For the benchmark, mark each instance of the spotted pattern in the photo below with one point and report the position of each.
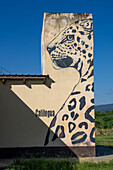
(74, 122)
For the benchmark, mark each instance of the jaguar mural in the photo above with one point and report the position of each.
(73, 48)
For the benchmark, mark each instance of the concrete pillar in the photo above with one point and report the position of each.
(67, 56)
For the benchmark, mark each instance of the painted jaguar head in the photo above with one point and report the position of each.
(72, 46)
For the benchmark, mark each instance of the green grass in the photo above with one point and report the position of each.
(95, 166)
(44, 164)
(105, 139)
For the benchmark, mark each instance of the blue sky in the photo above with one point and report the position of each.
(20, 38)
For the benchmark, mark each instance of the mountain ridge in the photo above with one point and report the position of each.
(103, 107)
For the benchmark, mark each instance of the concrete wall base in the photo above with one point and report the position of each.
(58, 152)
(85, 151)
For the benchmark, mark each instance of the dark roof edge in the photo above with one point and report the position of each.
(23, 77)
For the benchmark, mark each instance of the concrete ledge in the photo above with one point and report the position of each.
(97, 159)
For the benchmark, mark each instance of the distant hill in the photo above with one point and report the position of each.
(104, 108)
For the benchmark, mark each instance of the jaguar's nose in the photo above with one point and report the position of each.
(50, 49)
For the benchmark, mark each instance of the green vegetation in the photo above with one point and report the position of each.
(104, 120)
(44, 164)
(105, 139)
(94, 166)
(104, 128)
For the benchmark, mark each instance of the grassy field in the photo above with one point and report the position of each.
(44, 164)
(105, 139)
(104, 128)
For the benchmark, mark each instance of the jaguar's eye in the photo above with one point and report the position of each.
(70, 37)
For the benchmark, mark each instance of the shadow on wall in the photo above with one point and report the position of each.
(48, 82)
(21, 133)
